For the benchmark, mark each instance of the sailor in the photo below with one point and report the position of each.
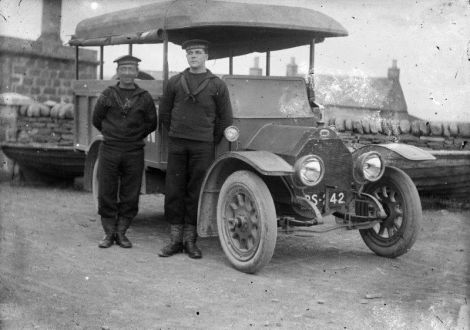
(124, 114)
(195, 109)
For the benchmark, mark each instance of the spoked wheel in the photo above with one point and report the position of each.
(396, 234)
(246, 221)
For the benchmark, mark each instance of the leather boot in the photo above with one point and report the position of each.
(109, 226)
(121, 239)
(176, 242)
(190, 235)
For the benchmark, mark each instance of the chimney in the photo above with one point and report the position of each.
(51, 17)
(394, 71)
(291, 68)
(256, 70)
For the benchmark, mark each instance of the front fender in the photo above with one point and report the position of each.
(92, 144)
(262, 162)
(396, 152)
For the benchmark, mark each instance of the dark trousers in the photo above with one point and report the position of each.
(120, 179)
(188, 161)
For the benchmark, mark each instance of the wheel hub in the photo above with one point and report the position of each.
(242, 222)
(392, 207)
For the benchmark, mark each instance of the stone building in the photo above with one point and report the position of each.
(359, 96)
(363, 96)
(43, 69)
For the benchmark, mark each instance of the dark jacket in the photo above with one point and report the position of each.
(125, 126)
(201, 114)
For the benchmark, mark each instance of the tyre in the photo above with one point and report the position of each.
(246, 221)
(396, 234)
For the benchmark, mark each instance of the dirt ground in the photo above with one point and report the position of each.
(53, 275)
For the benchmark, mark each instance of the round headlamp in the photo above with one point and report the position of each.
(309, 170)
(232, 133)
(369, 167)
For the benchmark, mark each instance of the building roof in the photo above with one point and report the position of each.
(360, 92)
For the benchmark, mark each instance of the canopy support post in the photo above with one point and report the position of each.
(101, 61)
(165, 59)
(230, 63)
(268, 63)
(130, 49)
(312, 57)
(76, 62)
(311, 81)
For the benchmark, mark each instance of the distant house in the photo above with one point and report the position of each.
(362, 97)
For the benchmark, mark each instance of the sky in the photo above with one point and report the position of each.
(430, 39)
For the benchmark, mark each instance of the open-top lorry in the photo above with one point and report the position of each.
(279, 168)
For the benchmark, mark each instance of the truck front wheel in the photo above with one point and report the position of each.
(396, 234)
(246, 221)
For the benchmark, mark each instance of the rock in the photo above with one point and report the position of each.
(386, 127)
(424, 128)
(445, 130)
(454, 129)
(464, 129)
(365, 126)
(405, 126)
(45, 110)
(436, 128)
(395, 127)
(69, 111)
(373, 296)
(33, 110)
(415, 128)
(357, 127)
(339, 123)
(374, 126)
(23, 110)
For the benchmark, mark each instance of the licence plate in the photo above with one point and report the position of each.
(333, 198)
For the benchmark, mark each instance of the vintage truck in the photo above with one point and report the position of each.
(279, 168)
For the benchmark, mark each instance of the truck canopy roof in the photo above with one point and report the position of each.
(232, 28)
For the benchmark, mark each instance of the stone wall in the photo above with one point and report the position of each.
(423, 134)
(42, 69)
(50, 125)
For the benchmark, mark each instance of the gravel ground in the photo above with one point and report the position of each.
(53, 275)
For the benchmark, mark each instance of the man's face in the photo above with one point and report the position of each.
(196, 57)
(127, 73)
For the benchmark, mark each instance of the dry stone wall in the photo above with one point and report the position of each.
(420, 133)
(50, 124)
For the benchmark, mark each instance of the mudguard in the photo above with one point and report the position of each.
(98, 137)
(397, 151)
(262, 162)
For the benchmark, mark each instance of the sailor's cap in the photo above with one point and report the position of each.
(195, 43)
(127, 59)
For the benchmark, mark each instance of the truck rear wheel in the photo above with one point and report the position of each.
(95, 183)
(396, 234)
(246, 221)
